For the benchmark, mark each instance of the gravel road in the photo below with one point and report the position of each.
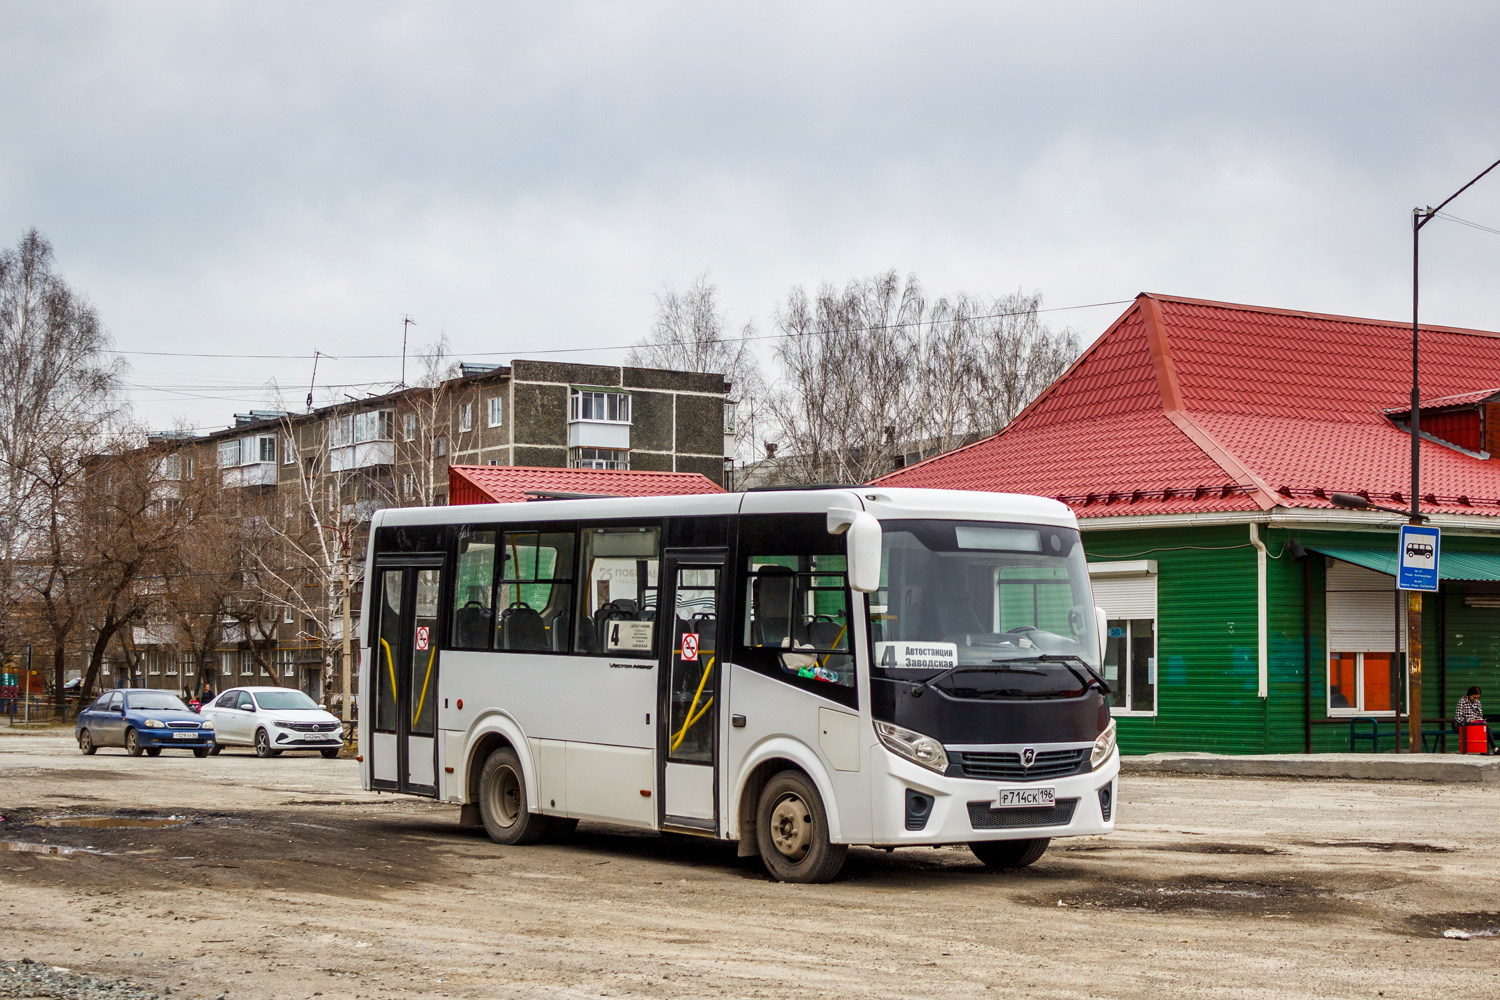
(239, 877)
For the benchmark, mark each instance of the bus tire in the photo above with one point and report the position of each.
(507, 816)
(791, 828)
(1009, 853)
(562, 828)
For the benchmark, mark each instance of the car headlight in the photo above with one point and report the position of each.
(155, 724)
(206, 724)
(914, 747)
(1103, 746)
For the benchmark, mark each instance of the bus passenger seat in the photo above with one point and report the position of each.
(523, 628)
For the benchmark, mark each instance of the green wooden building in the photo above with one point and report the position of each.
(1200, 443)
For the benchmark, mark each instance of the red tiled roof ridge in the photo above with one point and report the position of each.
(1305, 314)
(1224, 458)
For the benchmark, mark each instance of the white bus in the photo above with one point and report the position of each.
(794, 670)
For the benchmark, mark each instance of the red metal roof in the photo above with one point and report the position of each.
(469, 484)
(1188, 405)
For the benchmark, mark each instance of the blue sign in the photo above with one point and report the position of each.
(1417, 558)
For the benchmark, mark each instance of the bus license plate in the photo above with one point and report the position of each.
(1016, 798)
(184, 736)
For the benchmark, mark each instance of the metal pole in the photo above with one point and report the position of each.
(28, 683)
(347, 697)
(1414, 598)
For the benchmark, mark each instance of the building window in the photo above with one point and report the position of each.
(286, 616)
(1130, 665)
(598, 458)
(409, 427)
(609, 407)
(1362, 637)
(466, 417)
(729, 411)
(409, 485)
(229, 454)
(247, 663)
(495, 412)
(440, 445)
(288, 450)
(268, 449)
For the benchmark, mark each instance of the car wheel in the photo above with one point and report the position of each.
(86, 743)
(1009, 853)
(502, 801)
(216, 749)
(153, 751)
(329, 754)
(132, 742)
(263, 746)
(791, 829)
(200, 751)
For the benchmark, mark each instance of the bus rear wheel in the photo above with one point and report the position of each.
(1009, 853)
(791, 829)
(507, 816)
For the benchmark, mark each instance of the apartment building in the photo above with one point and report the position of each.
(320, 475)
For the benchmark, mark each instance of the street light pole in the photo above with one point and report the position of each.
(1419, 218)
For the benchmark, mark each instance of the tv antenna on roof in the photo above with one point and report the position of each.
(313, 384)
(406, 321)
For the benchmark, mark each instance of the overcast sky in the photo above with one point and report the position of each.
(282, 178)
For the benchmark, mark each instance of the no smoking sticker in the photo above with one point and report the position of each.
(421, 637)
(689, 647)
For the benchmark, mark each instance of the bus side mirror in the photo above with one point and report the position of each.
(1101, 621)
(863, 547)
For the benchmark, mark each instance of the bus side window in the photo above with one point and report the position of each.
(795, 604)
(473, 588)
(618, 583)
(535, 596)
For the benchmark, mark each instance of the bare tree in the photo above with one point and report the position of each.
(692, 334)
(876, 374)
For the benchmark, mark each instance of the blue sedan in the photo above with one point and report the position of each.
(142, 720)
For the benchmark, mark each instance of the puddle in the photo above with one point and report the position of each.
(112, 822)
(1455, 926)
(1212, 848)
(25, 848)
(1247, 896)
(1386, 847)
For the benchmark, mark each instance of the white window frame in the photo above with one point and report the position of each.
(440, 446)
(577, 461)
(287, 618)
(1129, 710)
(262, 449)
(1357, 712)
(288, 450)
(229, 454)
(408, 427)
(496, 411)
(465, 417)
(1361, 580)
(581, 401)
(1128, 571)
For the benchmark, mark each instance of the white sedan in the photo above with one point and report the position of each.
(273, 719)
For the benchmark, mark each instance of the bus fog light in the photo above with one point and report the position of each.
(914, 747)
(1103, 746)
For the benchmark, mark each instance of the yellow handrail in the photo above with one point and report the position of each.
(691, 718)
(824, 661)
(390, 662)
(425, 681)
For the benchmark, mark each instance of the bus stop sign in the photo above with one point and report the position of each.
(1417, 558)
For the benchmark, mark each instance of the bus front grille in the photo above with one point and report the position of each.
(983, 817)
(1008, 767)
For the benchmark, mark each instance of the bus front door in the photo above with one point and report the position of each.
(403, 747)
(689, 711)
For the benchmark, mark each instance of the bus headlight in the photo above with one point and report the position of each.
(1103, 746)
(155, 724)
(914, 747)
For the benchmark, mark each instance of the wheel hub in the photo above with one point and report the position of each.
(505, 797)
(791, 828)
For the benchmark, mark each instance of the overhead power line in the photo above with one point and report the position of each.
(583, 350)
(1466, 222)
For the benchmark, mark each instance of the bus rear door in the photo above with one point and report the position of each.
(688, 734)
(403, 748)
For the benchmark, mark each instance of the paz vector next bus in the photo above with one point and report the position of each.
(794, 670)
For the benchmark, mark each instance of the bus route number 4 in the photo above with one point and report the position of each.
(422, 637)
(690, 647)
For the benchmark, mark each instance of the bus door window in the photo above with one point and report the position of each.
(473, 584)
(535, 591)
(795, 611)
(424, 656)
(387, 643)
(694, 660)
(617, 590)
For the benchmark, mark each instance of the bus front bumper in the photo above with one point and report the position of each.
(914, 806)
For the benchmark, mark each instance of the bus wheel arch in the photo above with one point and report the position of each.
(496, 732)
(747, 804)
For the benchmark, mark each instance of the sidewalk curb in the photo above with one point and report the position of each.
(1439, 768)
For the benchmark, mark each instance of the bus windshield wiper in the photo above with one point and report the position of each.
(1094, 677)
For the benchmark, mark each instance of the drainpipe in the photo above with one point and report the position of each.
(1263, 662)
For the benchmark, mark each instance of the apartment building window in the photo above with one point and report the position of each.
(440, 445)
(598, 458)
(189, 466)
(286, 616)
(594, 405)
(409, 427)
(229, 454)
(466, 418)
(495, 411)
(288, 450)
(729, 412)
(268, 449)
(409, 485)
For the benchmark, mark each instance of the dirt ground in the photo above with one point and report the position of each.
(283, 879)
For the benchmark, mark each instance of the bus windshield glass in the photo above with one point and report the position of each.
(1009, 605)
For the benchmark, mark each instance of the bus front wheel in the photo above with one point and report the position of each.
(1009, 853)
(791, 829)
(507, 816)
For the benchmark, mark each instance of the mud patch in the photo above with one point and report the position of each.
(1276, 895)
(113, 822)
(23, 847)
(1385, 847)
(1212, 848)
(1479, 925)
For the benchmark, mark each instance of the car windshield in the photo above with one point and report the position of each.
(1007, 604)
(155, 701)
(284, 700)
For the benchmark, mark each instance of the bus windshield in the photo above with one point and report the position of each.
(1012, 600)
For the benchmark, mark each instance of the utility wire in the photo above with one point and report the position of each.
(1466, 222)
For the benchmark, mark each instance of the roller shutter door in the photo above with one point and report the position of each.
(1361, 610)
(1132, 596)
